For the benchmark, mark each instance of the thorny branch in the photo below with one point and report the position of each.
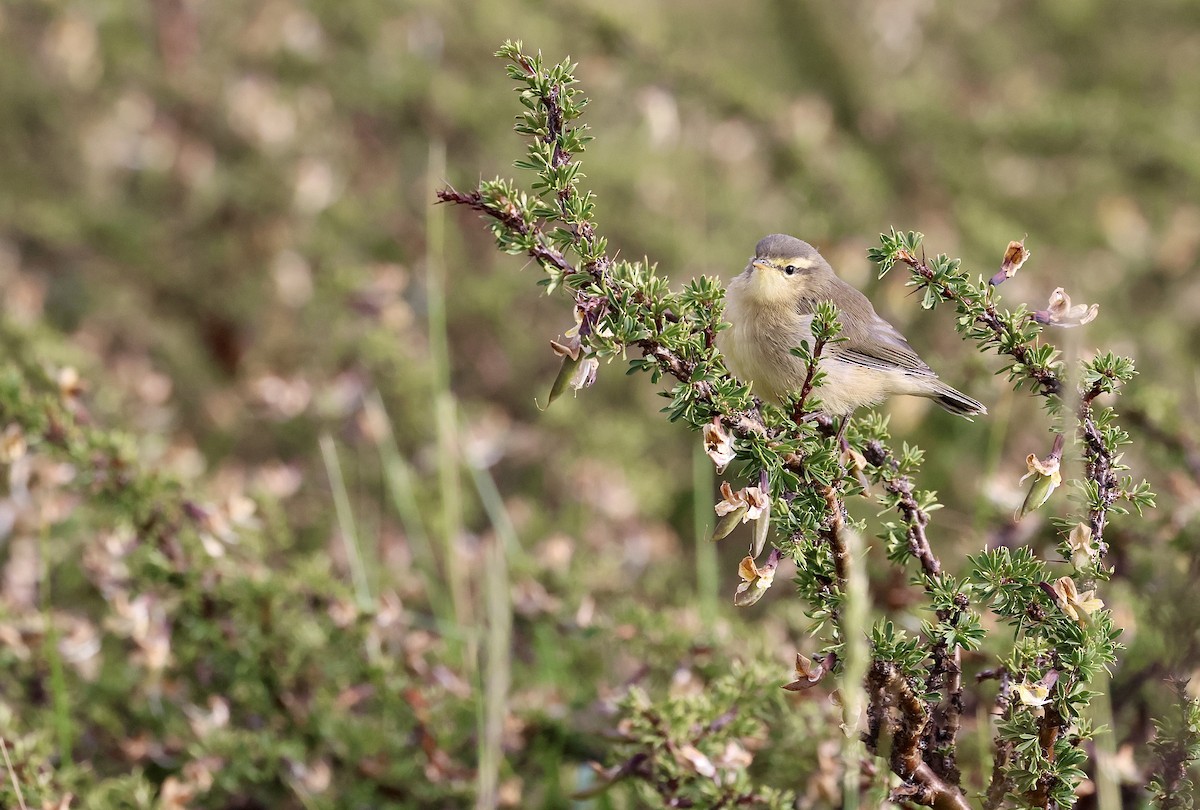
(1000, 785)
(1049, 383)
(930, 785)
(920, 738)
(945, 673)
(896, 722)
(1098, 461)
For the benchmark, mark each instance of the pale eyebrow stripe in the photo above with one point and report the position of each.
(804, 264)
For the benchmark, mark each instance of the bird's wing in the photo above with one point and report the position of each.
(867, 339)
(880, 346)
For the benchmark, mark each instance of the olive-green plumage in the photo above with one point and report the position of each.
(770, 308)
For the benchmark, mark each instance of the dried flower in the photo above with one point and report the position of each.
(718, 444)
(1032, 694)
(1076, 605)
(70, 385)
(742, 506)
(1046, 478)
(1080, 544)
(751, 497)
(1059, 311)
(1015, 255)
(807, 675)
(735, 757)
(693, 757)
(854, 461)
(577, 370)
(12, 444)
(569, 349)
(755, 580)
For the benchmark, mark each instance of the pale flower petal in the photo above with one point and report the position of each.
(585, 373)
(1032, 694)
(718, 444)
(1060, 312)
(755, 580)
(1080, 544)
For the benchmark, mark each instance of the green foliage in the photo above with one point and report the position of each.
(694, 750)
(1177, 746)
(191, 188)
(1064, 638)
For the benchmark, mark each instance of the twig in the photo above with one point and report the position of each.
(12, 774)
(1099, 463)
(880, 456)
(1048, 383)
(1000, 784)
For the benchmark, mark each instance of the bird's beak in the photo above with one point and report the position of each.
(759, 265)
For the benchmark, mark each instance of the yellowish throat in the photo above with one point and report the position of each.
(770, 308)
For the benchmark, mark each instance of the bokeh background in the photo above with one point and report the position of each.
(402, 582)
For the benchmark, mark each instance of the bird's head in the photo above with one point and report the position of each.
(784, 269)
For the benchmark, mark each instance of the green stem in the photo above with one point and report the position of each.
(707, 576)
(345, 518)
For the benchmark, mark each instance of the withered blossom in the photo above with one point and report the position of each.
(1046, 475)
(314, 778)
(569, 349)
(1060, 312)
(1032, 694)
(144, 620)
(751, 497)
(853, 460)
(718, 444)
(807, 675)
(1080, 544)
(735, 757)
(693, 757)
(70, 384)
(12, 444)
(1078, 606)
(205, 722)
(755, 580)
(1015, 255)
(742, 506)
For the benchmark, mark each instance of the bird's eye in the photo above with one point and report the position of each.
(790, 269)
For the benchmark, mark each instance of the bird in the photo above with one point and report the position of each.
(769, 308)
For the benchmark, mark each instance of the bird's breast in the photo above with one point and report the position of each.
(757, 346)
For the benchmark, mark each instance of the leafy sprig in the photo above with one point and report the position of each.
(1063, 636)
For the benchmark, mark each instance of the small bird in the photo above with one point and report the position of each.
(770, 309)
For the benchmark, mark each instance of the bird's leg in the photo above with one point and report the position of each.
(841, 433)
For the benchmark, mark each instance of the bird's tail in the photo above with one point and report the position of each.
(956, 401)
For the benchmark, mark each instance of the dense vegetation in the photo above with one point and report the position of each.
(285, 525)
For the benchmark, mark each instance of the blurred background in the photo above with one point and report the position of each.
(220, 215)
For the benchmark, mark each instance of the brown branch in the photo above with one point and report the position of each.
(945, 672)
(1050, 727)
(915, 518)
(896, 719)
(1098, 467)
(810, 376)
(833, 535)
(1000, 784)
(510, 218)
